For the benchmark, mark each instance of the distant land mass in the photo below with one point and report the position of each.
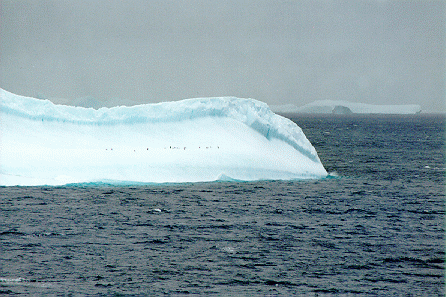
(346, 107)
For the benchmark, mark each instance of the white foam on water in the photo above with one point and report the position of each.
(23, 282)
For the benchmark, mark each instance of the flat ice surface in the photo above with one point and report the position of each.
(327, 106)
(194, 140)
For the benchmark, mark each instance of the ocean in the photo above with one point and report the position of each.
(375, 227)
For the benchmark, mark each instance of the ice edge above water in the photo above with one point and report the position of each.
(29, 123)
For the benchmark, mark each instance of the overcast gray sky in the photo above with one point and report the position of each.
(279, 52)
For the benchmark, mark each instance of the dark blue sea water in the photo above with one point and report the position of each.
(377, 229)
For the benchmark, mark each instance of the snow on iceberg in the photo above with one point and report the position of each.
(193, 140)
(346, 107)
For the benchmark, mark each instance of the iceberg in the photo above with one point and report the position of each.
(346, 107)
(193, 140)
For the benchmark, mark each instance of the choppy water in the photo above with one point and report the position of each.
(375, 230)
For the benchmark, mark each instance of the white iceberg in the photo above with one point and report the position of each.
(338, 106)
(194, 140)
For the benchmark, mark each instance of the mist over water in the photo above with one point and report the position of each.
(377, 229)
(109, 52)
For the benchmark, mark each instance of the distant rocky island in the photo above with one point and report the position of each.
(346, 107)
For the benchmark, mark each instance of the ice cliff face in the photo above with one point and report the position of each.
(231, 137)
